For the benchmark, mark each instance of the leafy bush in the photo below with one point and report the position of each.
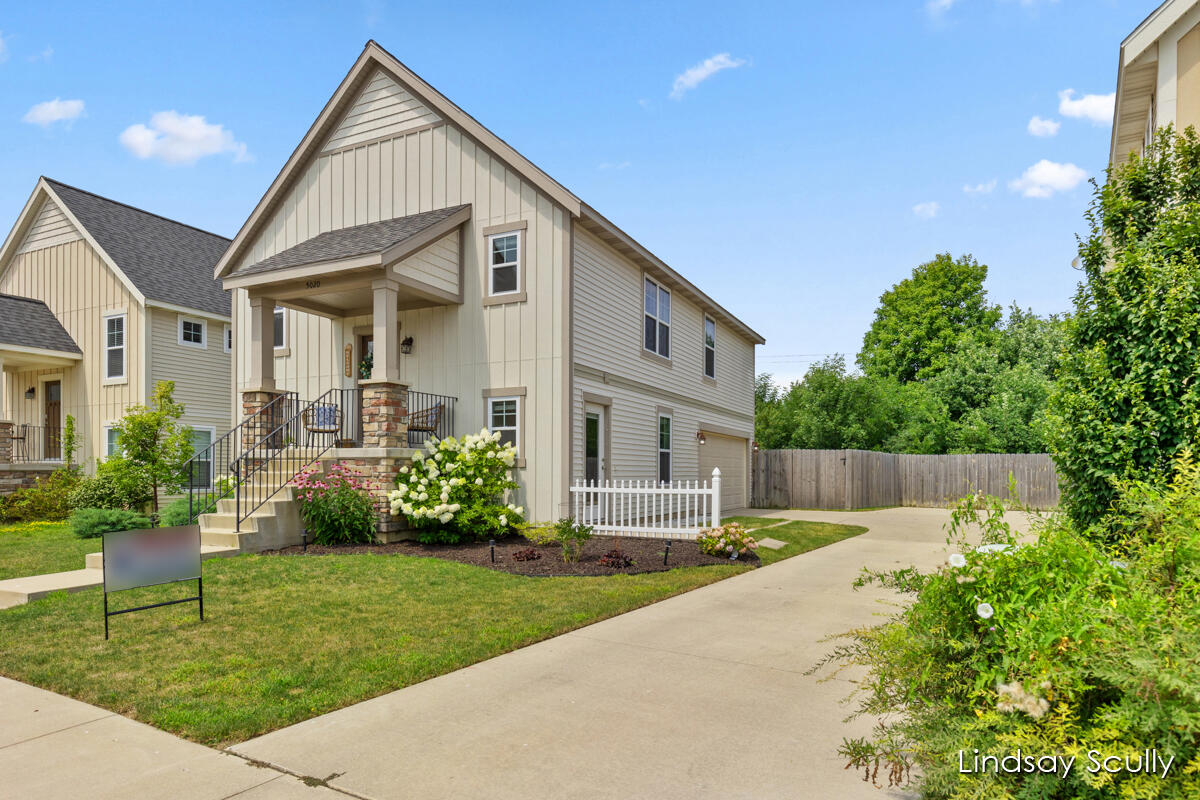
(337, 508)
(616, 559)
(88, 523)
(571, 535)
(1058, 646)
(542, 535)
(726, 540)
(526, 554)
(454, 490)
(47, 500)
(117, 484)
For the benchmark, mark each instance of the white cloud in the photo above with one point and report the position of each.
(927, 210)
(51, 111)
(980, 188)
(46, 54)
(1096, 107)
(1043, 127)
(181, 139)
(1045, 178)
(936, 8)
(3, 48)
(692, 77)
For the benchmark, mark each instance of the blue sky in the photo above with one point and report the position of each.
(792, 159)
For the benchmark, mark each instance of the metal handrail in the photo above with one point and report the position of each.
(205, 486)
(36, 443)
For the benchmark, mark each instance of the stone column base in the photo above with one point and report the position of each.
(379, 470)
(384, 414)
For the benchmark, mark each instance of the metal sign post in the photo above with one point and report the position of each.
(156, 557)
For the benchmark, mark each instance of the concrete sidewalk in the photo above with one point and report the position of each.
(54, 747)
(702, 695)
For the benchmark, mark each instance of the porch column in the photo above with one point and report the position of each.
(262, 343)
(386, 331)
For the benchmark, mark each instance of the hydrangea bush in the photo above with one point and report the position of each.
(336, 507)
(726, 540)
(455, 490)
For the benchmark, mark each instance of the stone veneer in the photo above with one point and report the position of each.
(379, 467)
(18, 476)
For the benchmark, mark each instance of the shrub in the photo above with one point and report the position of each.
(1050, 647)
(615, 559)
(116, 484)
(527, 554)
(541, 535)
(454, 490)
(88, 523)
(47, 500)
(176, 513)
(336, 507)
(571, 535)
(726, 540)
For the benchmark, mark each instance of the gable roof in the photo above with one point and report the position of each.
(167, 261)
(26, 322)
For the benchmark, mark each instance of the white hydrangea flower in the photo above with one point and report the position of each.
(479, 481)
(985, 610)
(504, 520)
(957, 560)
(444, 518)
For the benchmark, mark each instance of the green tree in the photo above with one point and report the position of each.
(70, 442)
(920, 320)
(153, 445)
(1127, 399)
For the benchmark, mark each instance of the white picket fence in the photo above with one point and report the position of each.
(676, 510)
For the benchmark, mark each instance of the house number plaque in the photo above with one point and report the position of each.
(349, 361)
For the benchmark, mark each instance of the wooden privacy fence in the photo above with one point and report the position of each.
(841, 479)
(678, 510)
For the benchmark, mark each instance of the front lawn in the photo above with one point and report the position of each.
(35, 548)
(800, 535)
(287, 639)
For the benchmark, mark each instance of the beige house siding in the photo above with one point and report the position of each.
(80, 290)
(1188, 65)
(199, 373)
(436, 265)
(50, 227)
(385, 108)
(459, 350)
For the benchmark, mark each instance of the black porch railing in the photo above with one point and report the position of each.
(429, 416)
(33, 443)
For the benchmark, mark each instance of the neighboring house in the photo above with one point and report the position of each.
(401, 227)
(101, 301)
(1158, 78)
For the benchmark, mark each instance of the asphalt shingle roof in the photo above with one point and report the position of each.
(360, 240)
(166, 260)
(26, 322)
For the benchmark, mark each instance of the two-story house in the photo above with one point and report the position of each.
(404, 230)
(98, 302)
(1158, 78)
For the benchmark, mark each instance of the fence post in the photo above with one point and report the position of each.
(716, 497)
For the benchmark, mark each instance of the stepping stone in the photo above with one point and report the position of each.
(771, 544)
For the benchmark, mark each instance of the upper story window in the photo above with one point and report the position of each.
(710, 348)
(192, 332)
(280, 329)
(114, 347)
(504, 260)
(657, 337)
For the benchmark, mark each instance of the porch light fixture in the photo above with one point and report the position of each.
(700, 437)
(30, 393)
(406, 345)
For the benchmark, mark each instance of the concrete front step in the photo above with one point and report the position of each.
(96, 560)
(18, 591)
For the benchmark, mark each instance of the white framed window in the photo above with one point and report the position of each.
(227, 337)
(664, 448)
(504, 416)
(114, 347)
(202, 475)
(657, 331)
(280, 329)
(504, 263)
(193, 332)
(710, 348)
(111, 448)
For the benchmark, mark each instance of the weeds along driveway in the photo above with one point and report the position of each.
(701, 695)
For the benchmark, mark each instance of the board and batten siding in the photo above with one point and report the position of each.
(80, 289)
(608, 314)
(200, 374)
(458, 350)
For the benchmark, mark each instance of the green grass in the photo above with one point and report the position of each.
(40, 547)
(289, 638)
(750, 523)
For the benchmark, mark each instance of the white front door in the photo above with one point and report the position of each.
(595, 468)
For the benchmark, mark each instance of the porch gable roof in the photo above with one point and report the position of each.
(29, 326)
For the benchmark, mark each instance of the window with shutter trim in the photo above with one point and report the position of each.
(114, 347)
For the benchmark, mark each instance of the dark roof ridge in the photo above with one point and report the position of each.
(55, 182)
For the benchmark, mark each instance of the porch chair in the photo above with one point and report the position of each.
(426, 420)
(322, 420)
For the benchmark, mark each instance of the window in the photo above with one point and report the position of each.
(280, 329)
(192, 332)
(228, 336)
(504, 263)
(710, 348)
(503, 417)
(110, 436)
(114, 347)
(664, 448)
(658, 319)
(201, 477)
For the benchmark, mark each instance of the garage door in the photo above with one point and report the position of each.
(729, 454)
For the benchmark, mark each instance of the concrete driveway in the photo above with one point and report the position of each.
(703, 695)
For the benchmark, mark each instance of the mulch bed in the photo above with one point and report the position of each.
(647, 555)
